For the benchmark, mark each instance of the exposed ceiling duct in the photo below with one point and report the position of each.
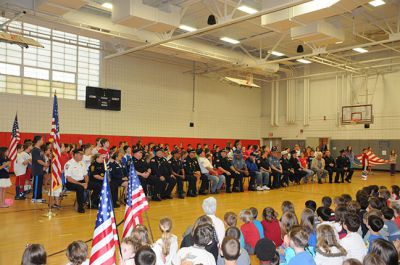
(303, 14)
(136, 14)
(58, 7)
(318, 32)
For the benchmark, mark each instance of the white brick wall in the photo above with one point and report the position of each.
(156, 101)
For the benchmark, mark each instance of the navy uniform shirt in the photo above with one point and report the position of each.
(140, 165)
(329, 160)
(285, 164)
(342, 162)
(160, 167)
(117, 170)
(176, 166)
(191, 165)
(37, 154)
(96, 169)
(223, 162)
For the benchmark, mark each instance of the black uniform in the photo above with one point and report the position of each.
(141, 166)
(342, 166)
(117, 173)
(190, 166)
(298, 172)
(177, 168)
(95, 184)
(330, 160)
(226, 164)
(287, 174)
(263, 162)
(161, 168)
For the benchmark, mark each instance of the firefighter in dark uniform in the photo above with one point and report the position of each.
(161, 169)
(192, 172)
(118, 176)
(225, 165)
(178, 172)
(96, 175)
(144, 173)
(342, 166)
(288, 171)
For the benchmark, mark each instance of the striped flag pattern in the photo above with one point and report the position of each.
(136, 203)
(105, 237)
(373, 159)
(56, 143)
(15, 138)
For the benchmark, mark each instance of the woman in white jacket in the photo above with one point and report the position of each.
(167, 246)
(328, 250)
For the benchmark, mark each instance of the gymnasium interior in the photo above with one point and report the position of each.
(274, 73)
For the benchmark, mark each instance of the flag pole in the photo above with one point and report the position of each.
(50, 213)
(148, 224)
(112, 207)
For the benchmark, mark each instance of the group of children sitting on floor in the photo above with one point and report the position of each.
(341, 231)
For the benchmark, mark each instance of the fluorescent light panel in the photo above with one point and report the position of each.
(303, 61)
(187, 28)
(230, 40)
(247, 9)
(360, 50)
(376, 3)
(277, 53)
(107, 5)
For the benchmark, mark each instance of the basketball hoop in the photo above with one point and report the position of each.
(355, 121)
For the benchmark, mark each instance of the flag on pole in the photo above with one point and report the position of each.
(136, 203)
(105, 237)
(56, 143)
(15, 137)
(373, 159)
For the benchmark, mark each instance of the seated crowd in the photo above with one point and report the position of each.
(161, 168)
(343, 231)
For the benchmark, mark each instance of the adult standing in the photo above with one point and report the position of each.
(38, 167)
(351, 160)
(393, 161)
(77, 179)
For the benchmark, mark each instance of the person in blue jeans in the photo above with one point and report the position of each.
(298, 237)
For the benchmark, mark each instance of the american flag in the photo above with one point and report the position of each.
(15, 137)
(55, 140)
(105, 237)
(136, 203)
(373, 159)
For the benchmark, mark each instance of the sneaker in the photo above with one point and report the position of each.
(40, 201)
(33, 200)
(259, 188)
(265, 187)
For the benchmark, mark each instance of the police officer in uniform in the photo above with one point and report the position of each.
(144, 172)
(76, 176)
(161, 169)
(178, 172)
(276, 168)
(192, 172)
(225, 165)
(96, 176)
(118, 176)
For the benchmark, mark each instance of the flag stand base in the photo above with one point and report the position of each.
(49, 214)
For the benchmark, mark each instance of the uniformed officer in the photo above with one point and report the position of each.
(161, 169)
(288, 171)
(223, 163)
(178, 172)
(76, 175)
(96, 176)
(118, 176)
(276, 168)
(144, 172)
(192, 172)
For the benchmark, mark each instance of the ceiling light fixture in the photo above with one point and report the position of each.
(247, 9)
(360, 50)
(277, 53)
(230, 40)
(303, 61)
(107, 5)
(376, 3)
(187, 28)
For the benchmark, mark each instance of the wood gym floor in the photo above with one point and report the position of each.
(24, 222)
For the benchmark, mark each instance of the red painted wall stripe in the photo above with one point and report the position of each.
(5, 138)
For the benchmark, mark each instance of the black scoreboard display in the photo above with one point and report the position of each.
(103, 98)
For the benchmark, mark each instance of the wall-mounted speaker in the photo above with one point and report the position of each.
(366, 126)
(191, 124)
